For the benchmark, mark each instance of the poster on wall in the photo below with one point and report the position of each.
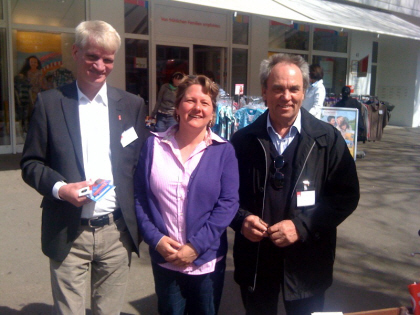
(346, 121)
(46, 47)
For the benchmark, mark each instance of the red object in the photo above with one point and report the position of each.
(414, 290)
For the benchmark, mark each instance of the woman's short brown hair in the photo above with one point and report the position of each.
(209, 87)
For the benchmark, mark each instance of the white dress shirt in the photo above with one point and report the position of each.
(94, 129)
(314, 98)
(282, 143)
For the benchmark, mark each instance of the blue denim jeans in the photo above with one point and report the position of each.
(180, 294)
(163, 122)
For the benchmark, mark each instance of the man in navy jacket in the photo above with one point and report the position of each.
(298, 182)
(79, 133)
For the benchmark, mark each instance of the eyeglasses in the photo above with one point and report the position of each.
(277, 179)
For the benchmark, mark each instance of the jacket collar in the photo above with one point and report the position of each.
(312, 127)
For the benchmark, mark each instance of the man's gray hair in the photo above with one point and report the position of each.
(98, 33)
(268, 64)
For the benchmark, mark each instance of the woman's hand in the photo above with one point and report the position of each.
(185, 255)
(168, 248)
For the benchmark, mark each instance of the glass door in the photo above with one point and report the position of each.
(170, 59)
(5, 113)
(210, 61)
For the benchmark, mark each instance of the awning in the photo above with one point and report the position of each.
(352, 17)
(321, 12)
(267, 8)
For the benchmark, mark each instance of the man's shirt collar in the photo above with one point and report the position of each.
(100, 97)
(294, 129)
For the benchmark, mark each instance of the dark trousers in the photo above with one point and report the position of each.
(264, 300)
(180, 294)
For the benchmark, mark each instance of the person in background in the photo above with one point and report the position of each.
(331, 121)
(79, 133)
(28, 83)
(165, 104)
(315, 93)
(349, 102)
(186, 194)
(292, 197)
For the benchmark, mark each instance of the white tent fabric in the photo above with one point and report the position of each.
(352, 17)
(321, 12)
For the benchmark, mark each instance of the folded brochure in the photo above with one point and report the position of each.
(99, 189)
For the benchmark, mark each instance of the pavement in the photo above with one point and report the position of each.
(373, 261)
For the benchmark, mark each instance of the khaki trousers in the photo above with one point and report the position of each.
(107, 252)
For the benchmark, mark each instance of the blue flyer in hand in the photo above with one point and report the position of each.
(99, 189)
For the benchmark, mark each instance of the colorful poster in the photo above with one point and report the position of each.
(346, 121)
(45, 46)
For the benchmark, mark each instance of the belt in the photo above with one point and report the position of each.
(102, 220)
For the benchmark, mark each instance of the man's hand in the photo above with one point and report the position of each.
(185, 256)
(168, 248)
(70, 193)
(283, 233)
(254, 228)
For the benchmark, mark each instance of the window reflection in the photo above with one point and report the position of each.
(42, 61)
(335, 70)
(240, 29)
(330, 40)
(136, 17)
(239, 69)
(289, 36)
(48, 12)
(4, 95)
(136, 67)
(170, 59)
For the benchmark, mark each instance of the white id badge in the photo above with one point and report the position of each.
(128, 136)
(305, 198)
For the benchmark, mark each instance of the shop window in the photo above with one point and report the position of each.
(335, 70)
(136, 17)
(288, 36)
(375, 47)
(170, 59)
(239, 69)
(240, 29)
(4, 94)
(48, 12)
(137, 67)
(330, 40)
(270, 53)
(42, 61)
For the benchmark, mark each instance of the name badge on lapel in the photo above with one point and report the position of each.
(128, 136)
(305, 197)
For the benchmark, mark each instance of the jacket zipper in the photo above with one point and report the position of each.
(251, 289)
(300, 175)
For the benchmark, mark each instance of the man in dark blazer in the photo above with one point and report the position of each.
(79, 133)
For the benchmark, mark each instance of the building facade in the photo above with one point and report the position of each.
(226, 38)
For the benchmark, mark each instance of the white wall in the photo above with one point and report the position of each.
(112, 12)
(398, 76)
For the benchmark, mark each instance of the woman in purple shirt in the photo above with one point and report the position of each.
(186, 192)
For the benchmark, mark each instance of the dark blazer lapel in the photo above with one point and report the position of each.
(70, 105)
(115, 109)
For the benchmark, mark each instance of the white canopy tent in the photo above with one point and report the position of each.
(323, 12)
